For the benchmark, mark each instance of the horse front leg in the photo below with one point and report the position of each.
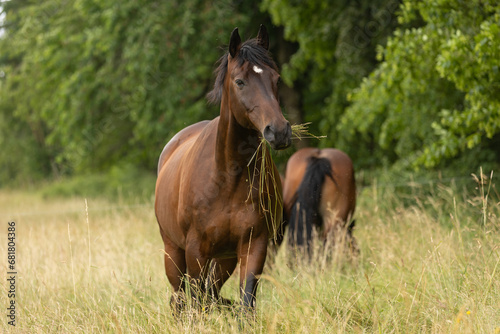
(198, 268)
(252, 255)
(175, 269)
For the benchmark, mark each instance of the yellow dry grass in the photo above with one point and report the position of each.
(428, 263)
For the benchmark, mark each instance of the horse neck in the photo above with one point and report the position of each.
(235, 144)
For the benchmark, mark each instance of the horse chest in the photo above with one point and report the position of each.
(222, 210)
(219, 233)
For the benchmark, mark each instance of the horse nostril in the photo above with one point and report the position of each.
(269, 134)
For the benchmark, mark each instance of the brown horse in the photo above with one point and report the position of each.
(319, 191)
(205, 198)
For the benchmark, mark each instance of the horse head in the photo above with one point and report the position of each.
(251, 85)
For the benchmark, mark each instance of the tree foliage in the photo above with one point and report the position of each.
(436, 93)
(337, 42)
(87, 85)
(96, 83)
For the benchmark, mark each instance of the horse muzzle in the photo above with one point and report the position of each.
(279, 139)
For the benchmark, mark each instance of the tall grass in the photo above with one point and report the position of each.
(429, 262)
(269, 200)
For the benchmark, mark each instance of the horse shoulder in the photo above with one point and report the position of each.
(179, 139)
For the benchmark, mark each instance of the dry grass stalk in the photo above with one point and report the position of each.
(268, 181)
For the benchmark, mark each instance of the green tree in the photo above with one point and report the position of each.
(95, 83)
(22, 137)
(436, 93)
(336, 49)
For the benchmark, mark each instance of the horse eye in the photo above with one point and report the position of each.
(240, 83)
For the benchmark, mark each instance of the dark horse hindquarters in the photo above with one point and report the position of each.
(305, 212)
(319, 191)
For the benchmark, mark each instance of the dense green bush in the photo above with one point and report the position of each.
(436, 93)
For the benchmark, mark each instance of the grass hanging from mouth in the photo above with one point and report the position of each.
(300, 131)
(270, 201)
(267, 182)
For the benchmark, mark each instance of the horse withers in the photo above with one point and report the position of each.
(319, 192)
(207, 218)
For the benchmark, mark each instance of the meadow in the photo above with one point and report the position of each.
(429, 262)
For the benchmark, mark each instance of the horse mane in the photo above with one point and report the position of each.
(305, 210)
(250, 51)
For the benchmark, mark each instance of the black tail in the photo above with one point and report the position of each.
(305, 211)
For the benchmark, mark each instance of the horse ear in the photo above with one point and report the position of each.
(263, 37)
(234, 43)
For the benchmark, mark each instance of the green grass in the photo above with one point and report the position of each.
(429, 262)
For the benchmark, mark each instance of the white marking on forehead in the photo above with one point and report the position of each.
(257, 69)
